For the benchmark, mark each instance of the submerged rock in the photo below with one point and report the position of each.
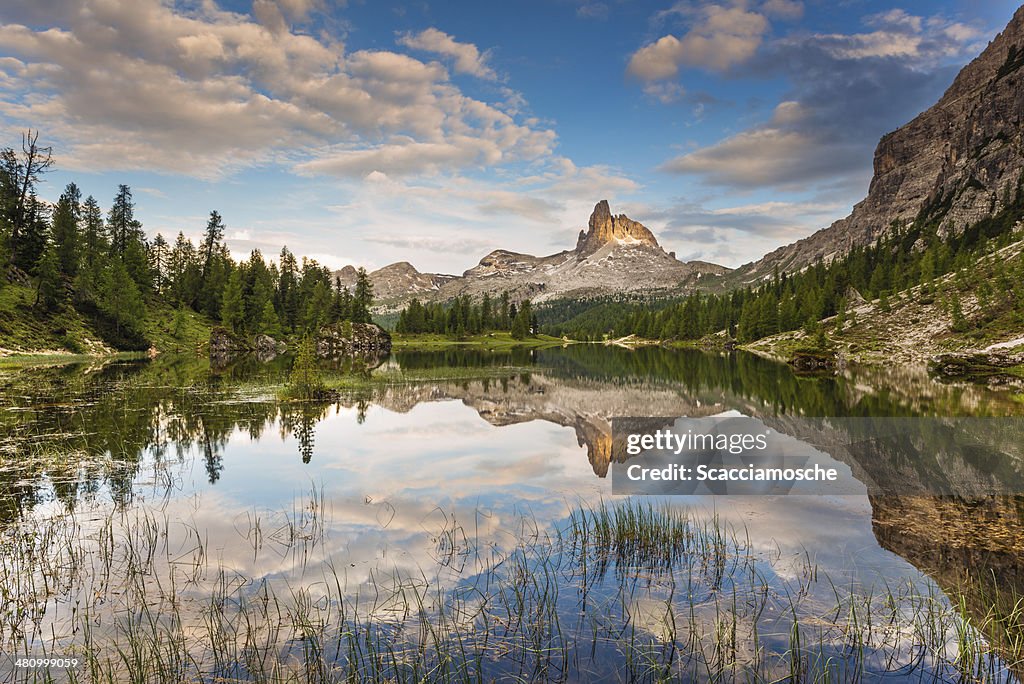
(809, 361)
(995, 367)
(226, 346)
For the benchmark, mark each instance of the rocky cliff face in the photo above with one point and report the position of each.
(953, 162)
(605, 229)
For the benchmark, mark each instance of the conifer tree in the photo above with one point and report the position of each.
(50, 285)
(94, 237)
(120, 298)
(233, 307)
(66, 219)
(362, 298)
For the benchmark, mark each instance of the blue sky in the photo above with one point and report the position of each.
(371, 132)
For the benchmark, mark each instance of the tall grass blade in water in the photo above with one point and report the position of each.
(636, 591)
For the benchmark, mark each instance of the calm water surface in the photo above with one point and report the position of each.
(443, 482)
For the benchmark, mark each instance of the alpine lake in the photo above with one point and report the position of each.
(449, 516)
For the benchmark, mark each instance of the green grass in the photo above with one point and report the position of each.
(194, 333)
(61, 359)
(397, 376)
(26, 328)
(491, 341)
(335, 384)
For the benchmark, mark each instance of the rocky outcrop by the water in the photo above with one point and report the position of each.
(993, 367)
(266, 347)
(347, 339)
(337, 341)
(805, 361)
(226, 346)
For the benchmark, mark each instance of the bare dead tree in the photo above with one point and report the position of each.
(34, 161)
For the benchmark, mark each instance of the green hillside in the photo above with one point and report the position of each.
(28, 328)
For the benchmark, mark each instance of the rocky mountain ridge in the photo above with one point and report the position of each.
(614, 254)
(952, 163)
(396, 280)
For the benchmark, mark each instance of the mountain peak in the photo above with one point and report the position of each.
(604, 228)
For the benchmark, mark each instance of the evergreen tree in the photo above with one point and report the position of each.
(268, 322)
(121, 220)
(318, 307)
(522, 322)
(212, 239)
(19, 175)
(159, 258)
(362, 299)
(287, 298)
(66, 219)
(50, 285)
(136, 260)
(34, 235)
(233, 306)
(120, 298)
(94, 237)
(305, 381)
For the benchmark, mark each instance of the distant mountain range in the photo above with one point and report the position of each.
(614, 254)
(955, 163)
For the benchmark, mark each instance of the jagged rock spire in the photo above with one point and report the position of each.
(604, 228)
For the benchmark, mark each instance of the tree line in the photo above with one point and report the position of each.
(107, 268)
(462, 316)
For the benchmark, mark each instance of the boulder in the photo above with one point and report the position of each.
(994, 368)
(350, 339)
(266, 347)
(226, 345)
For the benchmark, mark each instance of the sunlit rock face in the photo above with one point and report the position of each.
(954, 161)
(605, 229)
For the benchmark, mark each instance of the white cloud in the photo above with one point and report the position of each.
(900, 34)
(775, 154)
(138, 84)
(783, 9)
(467, 57)
(848, 90)
(593, 10)
(665, 93)
(719, 38)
